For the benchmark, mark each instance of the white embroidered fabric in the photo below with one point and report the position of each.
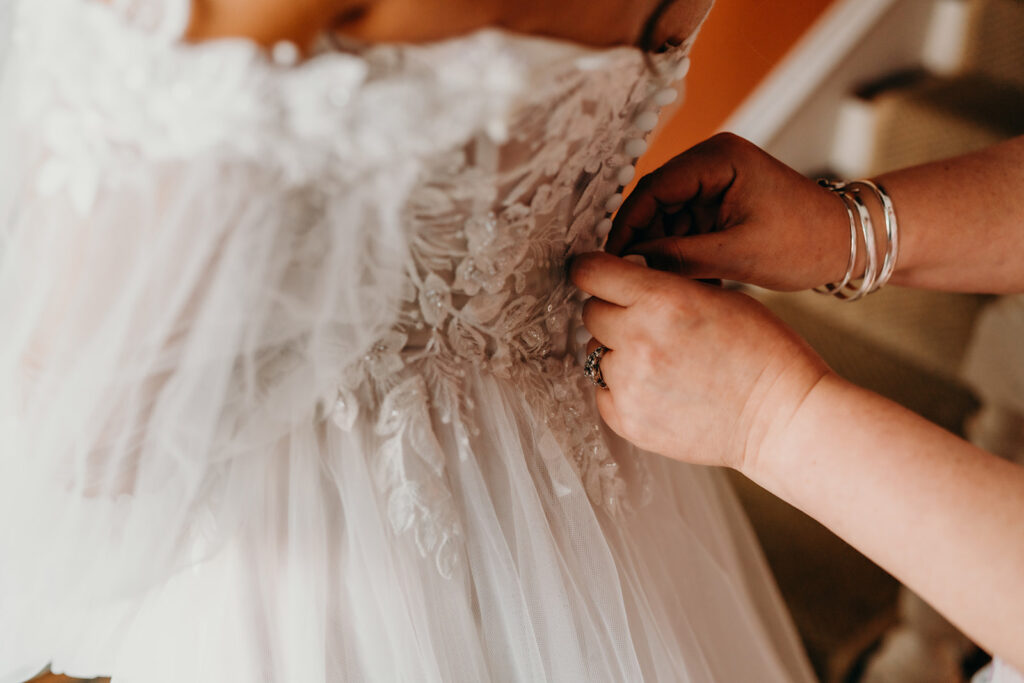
(288, 384)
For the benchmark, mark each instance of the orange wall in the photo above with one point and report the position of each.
(740, 43)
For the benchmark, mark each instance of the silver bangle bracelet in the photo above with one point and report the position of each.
(878, 269)
(892, 232)
(837, 288)
(867, 283)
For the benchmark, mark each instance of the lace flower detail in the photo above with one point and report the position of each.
(71, 167)
(409, 466)
(435, 300)
(497, 245)
(384, 360)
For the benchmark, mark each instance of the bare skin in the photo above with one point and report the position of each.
(725, 209)
(710, 376)
(591, 22)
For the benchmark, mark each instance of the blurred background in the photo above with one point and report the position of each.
(852, 88)
(849, 89)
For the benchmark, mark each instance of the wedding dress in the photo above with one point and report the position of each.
(288, 379)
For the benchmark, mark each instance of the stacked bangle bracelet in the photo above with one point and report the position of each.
(878, 270)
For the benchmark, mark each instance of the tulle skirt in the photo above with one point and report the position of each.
(297, 575)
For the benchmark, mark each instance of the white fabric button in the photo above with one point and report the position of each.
(683, 69)
(613, 203)
(604, 227)
(285, 53)
(626, 175)
(665, 97)
(636, 147)
(582, 335)
(646, 121)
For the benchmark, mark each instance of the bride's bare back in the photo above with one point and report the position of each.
(594, 22)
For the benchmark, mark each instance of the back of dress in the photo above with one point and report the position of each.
(289, 382)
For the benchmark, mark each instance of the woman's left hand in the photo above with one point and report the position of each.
(694, 372)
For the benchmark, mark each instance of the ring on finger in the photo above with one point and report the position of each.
(592, 368)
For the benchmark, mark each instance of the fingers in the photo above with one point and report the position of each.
(700, 174)
(606, 406)
(720, 255)
(615, 280)
(604, 321)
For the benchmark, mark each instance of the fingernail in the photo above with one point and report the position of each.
(582, 335)
(637, 259)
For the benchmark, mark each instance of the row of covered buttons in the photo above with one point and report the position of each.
(634, 148)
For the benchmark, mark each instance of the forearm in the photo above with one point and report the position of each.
(942, 516)
(962, 221)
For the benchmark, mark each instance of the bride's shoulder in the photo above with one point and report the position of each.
(678, 21)
(270, 21)
(591, 22)
(598, 23)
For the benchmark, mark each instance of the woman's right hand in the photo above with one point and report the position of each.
(727, 210)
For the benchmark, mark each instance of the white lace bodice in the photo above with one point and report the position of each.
(493, 224)
(404, 215)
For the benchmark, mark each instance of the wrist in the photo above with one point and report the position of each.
(912, 251)
(836, 258)
(786, 433)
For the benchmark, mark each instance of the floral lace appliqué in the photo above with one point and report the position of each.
(492, 227)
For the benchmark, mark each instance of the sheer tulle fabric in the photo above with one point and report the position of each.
(548, 589)
(194, 249)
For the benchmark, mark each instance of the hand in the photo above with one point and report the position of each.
(695, 372)
(726, 209)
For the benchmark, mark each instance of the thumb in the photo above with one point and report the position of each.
(717, 255)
